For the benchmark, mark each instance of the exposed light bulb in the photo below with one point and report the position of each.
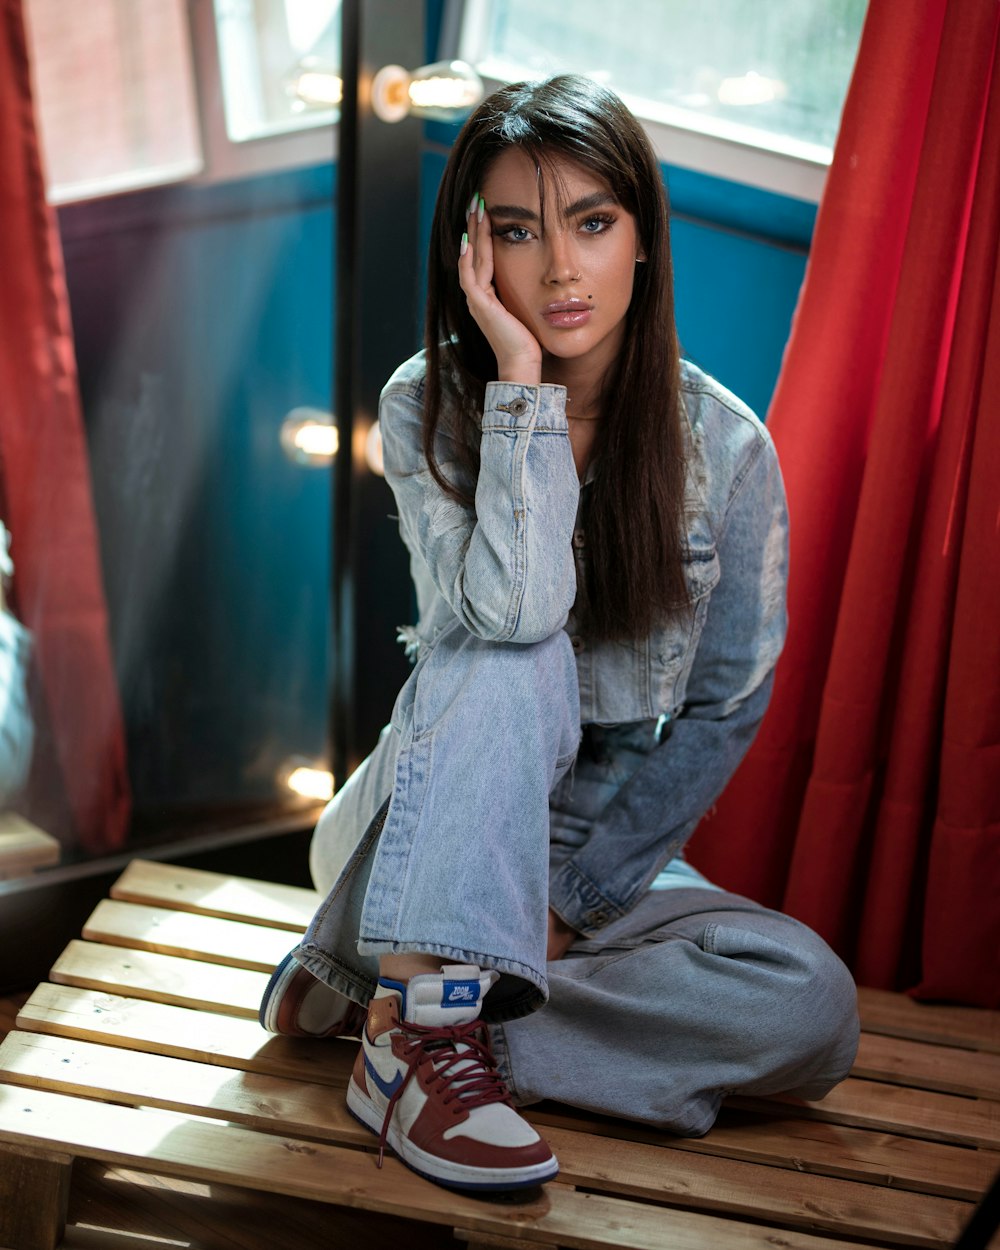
(317, 440)
(444, 91)
(309, 436)
(315, 84)
(311, 783)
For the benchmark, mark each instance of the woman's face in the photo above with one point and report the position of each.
(568, 277)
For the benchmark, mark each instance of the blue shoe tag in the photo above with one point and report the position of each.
(460, 994)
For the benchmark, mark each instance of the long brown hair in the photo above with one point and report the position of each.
(635, 515)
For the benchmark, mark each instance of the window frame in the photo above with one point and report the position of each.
(226, 159)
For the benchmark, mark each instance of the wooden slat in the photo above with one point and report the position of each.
(926, 1066)
(87, 1237)
(808, 1146)
(213, 894)
(210, 1153)
(772, 1194)
(724, 1186)
(184, 1033)
(166, 978)
(899, 1016)
(895, 1109)
(266, 1103)
(230, 942)
(151, 1212)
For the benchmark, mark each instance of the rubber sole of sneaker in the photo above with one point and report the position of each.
(442, 1171)
(349, 1024)
(273, 994)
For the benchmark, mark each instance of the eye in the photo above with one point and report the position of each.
(513, 234)
(597, 224)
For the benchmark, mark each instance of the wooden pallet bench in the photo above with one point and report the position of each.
(144, 1051)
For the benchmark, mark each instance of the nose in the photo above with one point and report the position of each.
(562, 265)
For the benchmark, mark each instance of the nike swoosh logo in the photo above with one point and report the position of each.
(388, 1088)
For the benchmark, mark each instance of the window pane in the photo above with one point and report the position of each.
(114, 94)
(773, 75)
(265, 48)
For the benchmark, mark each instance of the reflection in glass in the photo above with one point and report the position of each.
(772, 75)
(114, 94)
(280, 63)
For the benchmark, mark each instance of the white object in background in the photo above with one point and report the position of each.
(17, 730)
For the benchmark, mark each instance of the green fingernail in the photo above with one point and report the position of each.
(465, 245)
(472, 205)
(482, 209)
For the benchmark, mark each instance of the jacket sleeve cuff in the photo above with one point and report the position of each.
(576, 900)
(517, 406)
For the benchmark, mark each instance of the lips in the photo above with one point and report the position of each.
(567, 313)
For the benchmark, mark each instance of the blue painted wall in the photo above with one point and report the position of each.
(202, 316)
(739, 258)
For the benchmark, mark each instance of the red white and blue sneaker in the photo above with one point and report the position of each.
(426, 1081)
(300, 1005)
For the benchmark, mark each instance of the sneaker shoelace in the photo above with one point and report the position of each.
(460, 1061)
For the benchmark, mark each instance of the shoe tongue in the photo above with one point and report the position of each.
(452, 996)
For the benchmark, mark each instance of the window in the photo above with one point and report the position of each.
(132, 93)
(114, 94)
(749, 91)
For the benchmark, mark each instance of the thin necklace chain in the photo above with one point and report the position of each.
(571, 417)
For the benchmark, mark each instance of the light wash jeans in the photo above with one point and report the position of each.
(442, 842)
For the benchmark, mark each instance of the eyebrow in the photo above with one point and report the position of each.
(515, 212)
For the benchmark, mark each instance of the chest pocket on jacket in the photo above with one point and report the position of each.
(672, 648)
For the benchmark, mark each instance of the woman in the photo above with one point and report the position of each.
(597, 538)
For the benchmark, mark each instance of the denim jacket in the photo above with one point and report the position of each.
(507, 568)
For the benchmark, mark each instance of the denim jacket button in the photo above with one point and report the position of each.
(518, 407)
(597, 918)
(579, 539)
(577, 643)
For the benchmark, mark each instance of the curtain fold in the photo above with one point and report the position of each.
(869, 805)
(78, 788)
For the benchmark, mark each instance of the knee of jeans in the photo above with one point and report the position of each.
(807, 1003)
(824, 1019)
(498, 679)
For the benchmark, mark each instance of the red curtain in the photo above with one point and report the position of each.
(78, 788)
(869, 807)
